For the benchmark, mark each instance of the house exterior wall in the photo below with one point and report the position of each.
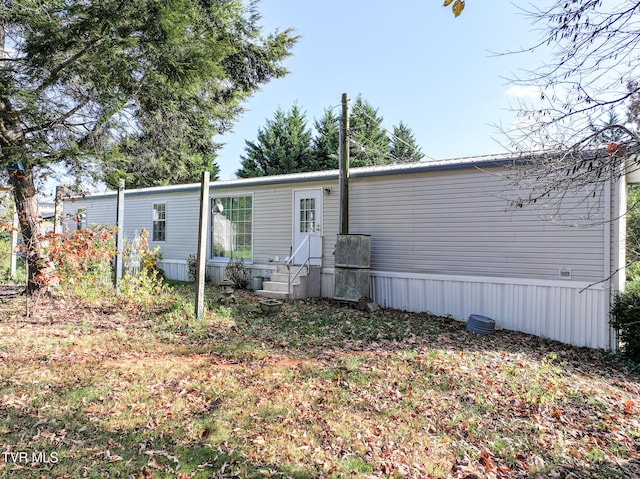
(455, 223)
(273, 222)
(443, 240)
(273, 217)
(272, 228)
(181, 221)
(447, 243)
(98, 211)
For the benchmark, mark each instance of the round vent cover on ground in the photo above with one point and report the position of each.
(480, 324)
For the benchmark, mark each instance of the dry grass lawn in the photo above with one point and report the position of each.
(107, 388)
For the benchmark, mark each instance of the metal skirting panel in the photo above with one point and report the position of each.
(552, 309)
(327, 280)
(174, 269)
(177, 270)
(215, 273)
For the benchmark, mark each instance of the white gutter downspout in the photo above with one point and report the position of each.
(614, 261)
(607, 256)
(618, 270)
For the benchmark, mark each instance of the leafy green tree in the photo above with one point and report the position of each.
(85, 84)
(326, 142)
(404, 148)
(609, 130)
(283, 146)
(186, 152)
(140, 165)
(633, 232)
(369, 143)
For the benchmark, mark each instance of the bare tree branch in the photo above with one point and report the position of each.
(593, 68)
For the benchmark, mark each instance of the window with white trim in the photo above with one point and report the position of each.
(232, 227)
(159, 222)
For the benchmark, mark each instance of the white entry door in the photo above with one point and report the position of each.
(307, 221)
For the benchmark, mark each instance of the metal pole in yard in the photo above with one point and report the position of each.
(119, 234)
(202, 245)
(14, 244)
(57, 210)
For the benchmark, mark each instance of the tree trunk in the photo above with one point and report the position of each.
(24, 191)
(31, 227)
(21, 179)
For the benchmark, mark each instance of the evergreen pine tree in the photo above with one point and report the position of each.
(283, 146)
(326, 143)
(103, 87)
(369, 143)
(404, 148)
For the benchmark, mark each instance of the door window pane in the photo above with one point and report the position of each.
(307, 215)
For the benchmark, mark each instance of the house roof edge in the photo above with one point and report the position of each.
(358, 172)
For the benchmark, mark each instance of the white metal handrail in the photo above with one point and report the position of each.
(289, 261)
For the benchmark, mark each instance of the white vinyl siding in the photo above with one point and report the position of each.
(97, 212)
(273, 218)
(272, 223)
(451, 222)
(454, 222)
(182, 214)
(331, 213)
(273, 226)
(181, 217)
(566, 311)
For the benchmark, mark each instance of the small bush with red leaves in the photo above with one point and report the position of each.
(84, 255)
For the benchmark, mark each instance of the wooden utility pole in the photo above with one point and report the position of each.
(344, 166)
(202, 244)
(119, 233)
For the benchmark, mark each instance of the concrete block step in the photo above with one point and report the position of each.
(284, 278)
(278, 286)
(272, 294)
(282, 269)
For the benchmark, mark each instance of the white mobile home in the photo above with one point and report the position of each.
(443, 240)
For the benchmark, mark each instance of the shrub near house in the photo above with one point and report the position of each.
(84, 256)
(625, 318)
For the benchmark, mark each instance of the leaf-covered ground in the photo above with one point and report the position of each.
(107, 389)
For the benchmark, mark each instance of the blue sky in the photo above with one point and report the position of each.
(412, 60)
